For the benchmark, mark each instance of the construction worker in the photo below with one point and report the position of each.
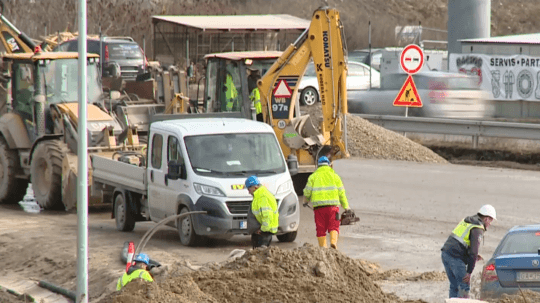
(460, 251)
(136, 271)
(231, 93)
(255, 95)
(325, 191)
(264, 208)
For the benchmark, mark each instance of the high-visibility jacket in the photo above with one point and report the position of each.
(264, 207)
(132, 275)
(324, 187)
(231, 94)
(462, 232)
(255, 97)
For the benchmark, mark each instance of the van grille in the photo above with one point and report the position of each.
(238, 207)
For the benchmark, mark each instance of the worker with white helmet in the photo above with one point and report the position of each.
(139, 270)
(460, 251)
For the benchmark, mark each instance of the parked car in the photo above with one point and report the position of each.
(362, 56)
(121, 51)
(515, 264)
(357, 79)
(443, 95)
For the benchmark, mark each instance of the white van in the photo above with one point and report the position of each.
(200, 164)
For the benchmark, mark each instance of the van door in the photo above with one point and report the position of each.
(174, 187)
(156, 177)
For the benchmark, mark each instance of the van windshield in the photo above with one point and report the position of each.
(230, 155)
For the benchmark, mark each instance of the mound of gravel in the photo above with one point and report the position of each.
(304, 274)
(370, 141)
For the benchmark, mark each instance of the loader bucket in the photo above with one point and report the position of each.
(69, 183)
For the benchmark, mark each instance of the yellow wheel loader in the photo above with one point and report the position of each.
(229, 84)
(38, 126)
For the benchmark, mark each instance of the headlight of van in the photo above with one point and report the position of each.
(208, 190)
(285, 187)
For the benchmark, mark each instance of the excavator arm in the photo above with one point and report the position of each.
(14, 40)
(322, 42)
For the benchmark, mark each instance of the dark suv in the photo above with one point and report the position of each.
(123, 51)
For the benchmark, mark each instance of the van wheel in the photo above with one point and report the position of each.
(12, 189)
(188, 237)
(124, 218)
(288, 237)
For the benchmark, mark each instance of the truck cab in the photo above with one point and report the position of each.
(201, 164)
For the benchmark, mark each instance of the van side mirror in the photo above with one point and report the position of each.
(175, 170)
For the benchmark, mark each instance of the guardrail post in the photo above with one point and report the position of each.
(475, 141)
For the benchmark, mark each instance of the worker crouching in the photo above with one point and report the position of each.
(137, 271)
(264, 209)
(325, 191)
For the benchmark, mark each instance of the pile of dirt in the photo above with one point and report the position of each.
(526, 297)
(304, 274)
(370, 141)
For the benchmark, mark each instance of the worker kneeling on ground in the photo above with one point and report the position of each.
(460, 251)
(325, 191)
(264, 208)
(136, 271)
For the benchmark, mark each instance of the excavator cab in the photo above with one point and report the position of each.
(228, 84)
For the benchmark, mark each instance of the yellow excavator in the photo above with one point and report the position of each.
(228, 88)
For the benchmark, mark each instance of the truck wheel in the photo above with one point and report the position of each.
(288, 237)
(46, 174)
(124, 218)
(309, 96)
(188, 237)
(12, 189)
(299, 182)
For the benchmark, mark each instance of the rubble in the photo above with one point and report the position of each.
(370, 141)
(303, 274)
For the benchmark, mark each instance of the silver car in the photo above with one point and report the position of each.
(443, 95)
(357, 79)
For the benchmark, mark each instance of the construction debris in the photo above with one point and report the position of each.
(304, 274)
(370, 141)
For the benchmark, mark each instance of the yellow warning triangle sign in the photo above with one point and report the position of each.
(408, 95)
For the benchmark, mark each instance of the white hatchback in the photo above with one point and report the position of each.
(357, 79)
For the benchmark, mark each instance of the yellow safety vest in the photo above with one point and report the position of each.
(324, 187)
(264, 207)
(462, 232)
(231, 92)
(255, 97)
(136, 274)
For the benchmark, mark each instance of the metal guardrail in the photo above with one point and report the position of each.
(462, 127)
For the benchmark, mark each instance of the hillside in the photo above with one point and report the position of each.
(132, 17)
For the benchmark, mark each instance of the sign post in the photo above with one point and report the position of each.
(411, 61)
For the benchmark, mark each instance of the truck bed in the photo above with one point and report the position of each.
(108, 171)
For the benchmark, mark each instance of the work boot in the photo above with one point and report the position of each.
(322, 241)
(333, 238)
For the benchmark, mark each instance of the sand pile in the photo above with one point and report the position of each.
(526, 297)
(370, 141)
(304, 274)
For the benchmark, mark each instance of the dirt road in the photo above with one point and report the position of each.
(406, 209)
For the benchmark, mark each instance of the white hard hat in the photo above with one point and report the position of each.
(488, 211)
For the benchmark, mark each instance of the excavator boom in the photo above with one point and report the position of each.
(323, 43)
(13, 39)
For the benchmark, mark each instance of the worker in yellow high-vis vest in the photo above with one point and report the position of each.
(255, 94)
(460, 251)
(137, 271)
(264, 208)
(325, 191)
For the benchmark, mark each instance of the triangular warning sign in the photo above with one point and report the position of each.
(282, 90)
(408, 95)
